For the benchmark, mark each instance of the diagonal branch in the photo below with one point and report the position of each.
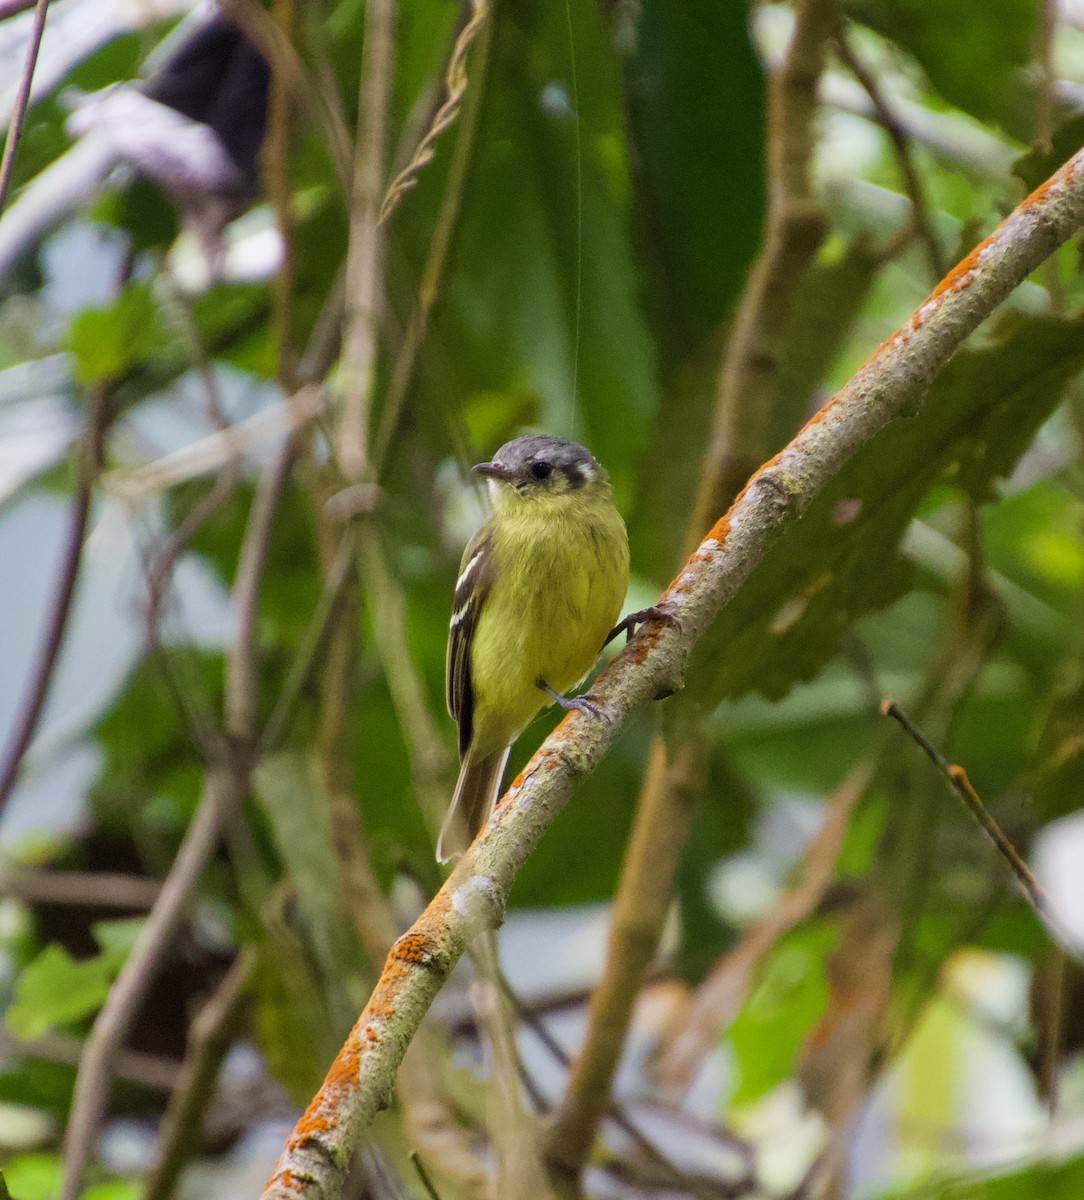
(22, 100)
(889, 386)
(140, 968)
(30, 712)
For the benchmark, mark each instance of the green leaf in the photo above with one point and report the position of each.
(696, 95)
(290, 791)
(1037, 165)
(56, 989)
(33, 1176)
(117, 937)
(842, 560)
(291, 794)
(1041, 1181)
(107, 341)
(775, 1019)
(974, 54)
(147, 750)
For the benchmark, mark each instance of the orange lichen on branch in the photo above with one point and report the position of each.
(418, 949)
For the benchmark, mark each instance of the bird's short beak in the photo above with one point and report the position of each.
(492, 470)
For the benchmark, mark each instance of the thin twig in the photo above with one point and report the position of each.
(901, 145)
(365, 254)
(193, 706)
(22, 100)
(1036, 895)
(153, 1071)
(1046, 27)
(427, 751)
(520, 1173)
(79, 889)
(436, 257)
(672, 780)
(302, 669)
(30, 712)
(887, 387)
(210, 1036)
(423, 1175)
(121, 1007)
(614, 1111)
(159, 569)
(718, 999)
(1045, 112)
(242, 673)
(363, 899)
(12, 8)
(277, 182)
(455, 85)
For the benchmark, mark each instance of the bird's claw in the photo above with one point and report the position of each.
(585, 703)
(627, 625)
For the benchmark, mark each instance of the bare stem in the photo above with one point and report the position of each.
(115, 1019)
(242, 675)
(439, 245)
(645, 891)
(22, 99)
(210, 1037)
(901, 144)
(79, 889)
(365, 255)
(956, 777)
(63, 594)
(302, 669)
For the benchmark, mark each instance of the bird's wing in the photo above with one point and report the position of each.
(471, 589)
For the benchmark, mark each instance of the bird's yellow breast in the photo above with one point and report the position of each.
(560, 581)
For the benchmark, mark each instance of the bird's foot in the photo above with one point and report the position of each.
(585, 703)
(627, 625)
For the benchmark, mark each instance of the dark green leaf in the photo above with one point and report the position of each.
(1037, 166)
(696, 92)
(974, 54)
(842, 559)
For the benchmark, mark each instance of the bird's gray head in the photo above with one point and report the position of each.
(541, 465)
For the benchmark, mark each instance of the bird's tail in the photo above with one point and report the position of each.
(475, 795)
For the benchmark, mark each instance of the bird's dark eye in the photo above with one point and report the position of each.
(541, 470)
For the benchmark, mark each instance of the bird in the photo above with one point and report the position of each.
(540, 588)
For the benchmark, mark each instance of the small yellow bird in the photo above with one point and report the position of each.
(540, 586)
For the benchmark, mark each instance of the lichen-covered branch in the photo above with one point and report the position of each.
(888, 386)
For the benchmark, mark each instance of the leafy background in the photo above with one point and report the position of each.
(612, 205)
